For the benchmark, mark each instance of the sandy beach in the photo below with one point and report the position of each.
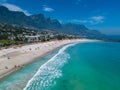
(13, 59)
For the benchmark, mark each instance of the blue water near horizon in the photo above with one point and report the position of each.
(82, 66)
(113, 37)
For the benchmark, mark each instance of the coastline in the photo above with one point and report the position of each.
(13, 59)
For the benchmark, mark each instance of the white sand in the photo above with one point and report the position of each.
(15, 58)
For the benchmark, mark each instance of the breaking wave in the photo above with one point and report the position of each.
(48, 73)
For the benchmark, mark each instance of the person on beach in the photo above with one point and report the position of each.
(6, 67)
(8, 57)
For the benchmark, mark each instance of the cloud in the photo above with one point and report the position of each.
(92, 20)
(15, 8)
(97, 19)
(47, 9)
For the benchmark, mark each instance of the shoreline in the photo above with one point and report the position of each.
(11, 61)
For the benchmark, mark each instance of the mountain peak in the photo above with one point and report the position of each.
(39, 21)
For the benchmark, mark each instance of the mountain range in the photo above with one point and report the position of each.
(40, 22)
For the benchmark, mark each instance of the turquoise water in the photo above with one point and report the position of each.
(19, 79)
(83, 66)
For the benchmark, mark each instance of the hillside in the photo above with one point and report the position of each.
(40, 22)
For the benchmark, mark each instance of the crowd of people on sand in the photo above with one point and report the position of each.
(25, 49)
(16, 67)
(9, 54)
(10, 59)
(18, 56)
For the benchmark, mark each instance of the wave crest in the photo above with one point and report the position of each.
(49, 72)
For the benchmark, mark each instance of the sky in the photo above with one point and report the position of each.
(102, 15)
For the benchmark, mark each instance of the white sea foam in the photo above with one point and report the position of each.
(48, 72)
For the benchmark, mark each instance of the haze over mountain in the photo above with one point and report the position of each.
(40, 22)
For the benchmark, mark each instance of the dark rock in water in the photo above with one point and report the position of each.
(64, 81)
(64, 84)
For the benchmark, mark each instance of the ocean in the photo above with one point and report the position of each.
(79, 66)
(112, 37)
